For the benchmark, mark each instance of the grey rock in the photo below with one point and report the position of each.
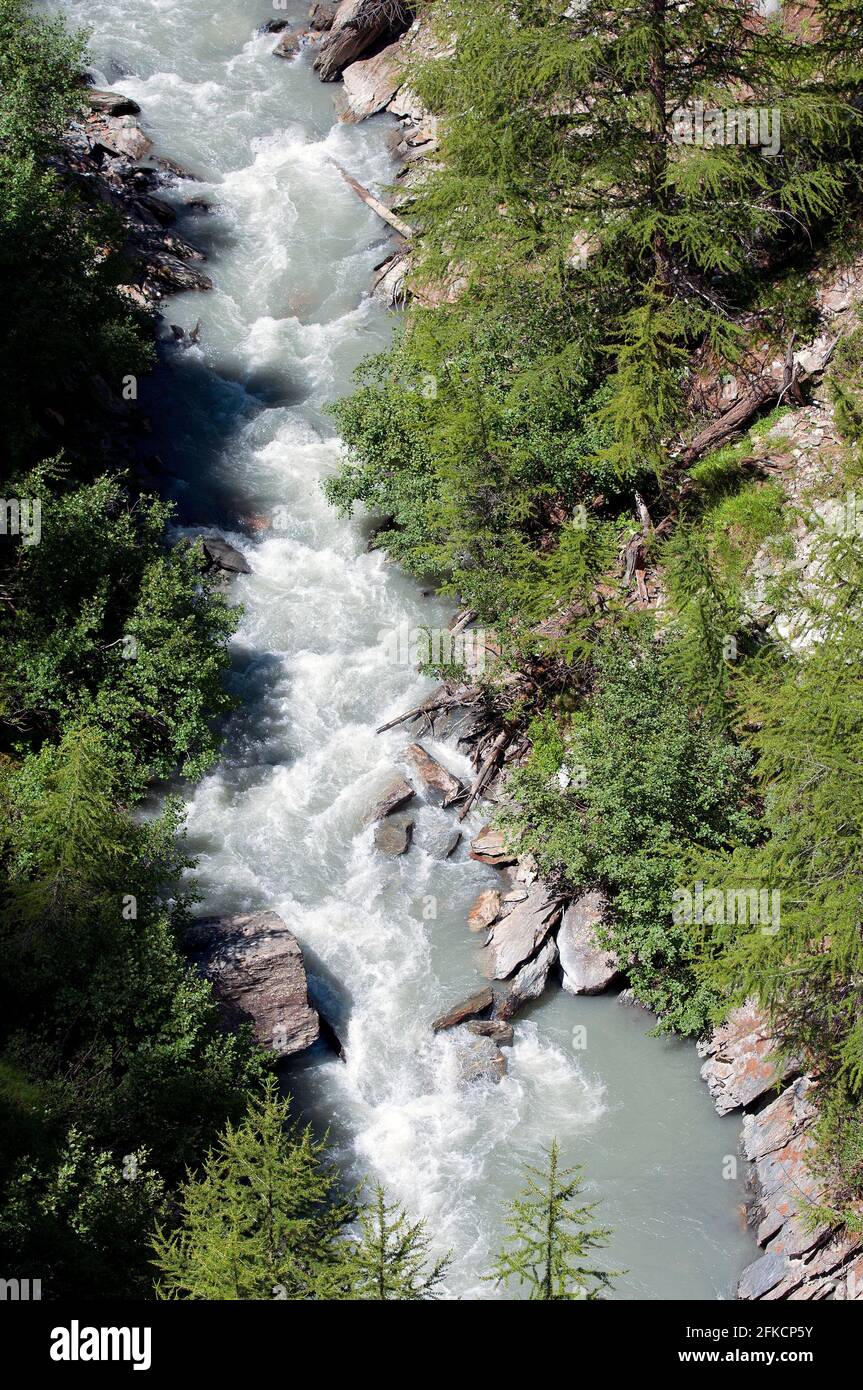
(223, 556)
(357, 26)
(515, 938)
(110, 103)
(393, 835)
(588, 968)
(481, 1060)
(398, 792)
(762, 1276)
(501, 1032)
(529, 982)
(740, 1066)
(256, 969)
(370, 83)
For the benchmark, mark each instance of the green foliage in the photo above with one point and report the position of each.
(804, 720)
(82, 1220)
(391, 1260)
(550, 1238)
(845, 385)
(261, 1220)
(646, 782)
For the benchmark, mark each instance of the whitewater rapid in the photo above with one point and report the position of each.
(244, 438)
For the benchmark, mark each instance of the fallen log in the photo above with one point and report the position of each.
(392, 218)
(485, 771)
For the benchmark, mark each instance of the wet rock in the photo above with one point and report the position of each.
(495, 1028)
(472, 1007)
(588, 968)
(489, 848)
(398, 792)
(393, 835)
(357, 26)
(371, 83)
(274, 26)
(438, 785)
(256, 968)
(515, 938)
(481, 1060)
(485, 910)
(289, 44)
(628, 999)
(740, 1067)
(529, 982)
(223, 556)
(110, 103)
(123, 135)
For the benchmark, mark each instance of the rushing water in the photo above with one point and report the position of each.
(241, 428)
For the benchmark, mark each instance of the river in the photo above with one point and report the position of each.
(241, 427)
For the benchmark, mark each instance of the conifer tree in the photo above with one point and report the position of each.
(391, 1261)
(640, 159)
(550, 1238)
(261, 1220)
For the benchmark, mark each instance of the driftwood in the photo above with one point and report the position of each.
(485, 771)
(773, 385)
(451, 702)
(392, 218)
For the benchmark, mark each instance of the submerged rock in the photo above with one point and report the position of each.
(516, 937)
(588, 968)
(393, 835)
(481, 1060)
(257, 972)
(440, 787)
(477, 1004)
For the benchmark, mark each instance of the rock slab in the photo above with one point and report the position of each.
(440, 787)
(257, 972)
(517, 936)
(588, 968)
(740, 1067)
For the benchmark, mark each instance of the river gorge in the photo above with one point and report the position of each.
(241, 427)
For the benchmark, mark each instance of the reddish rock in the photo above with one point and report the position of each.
(489, 848)
(477, 1004)
(740, 1067)
(441, 788)
(485, 910)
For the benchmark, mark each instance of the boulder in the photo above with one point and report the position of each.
(389, 280)
(488, 847)
(122, 135)
(357, 26)
(398, 792)
(256, 969)
(481, 1060)
(495, 1028)
(529, 982)
(371, 83)
(288, 45)
(485, 910)
(393, 835)
(110, 103)
(477, 1004)
(223, 556)
(740, 1067)
(438, 785)
(515, 938)
(588, 968)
